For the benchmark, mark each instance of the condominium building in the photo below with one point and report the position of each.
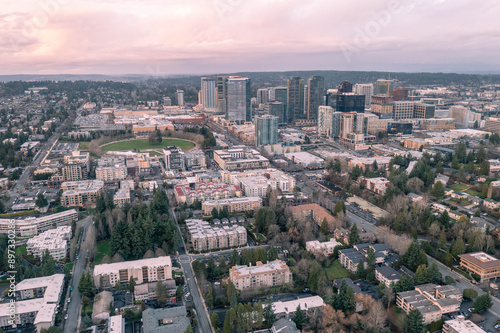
(374, 125)
(31, 226)
(382, 105)
(314, 211)
(240, 158)
(122, 196)
(111, 173)
(322, 248)
(81, 193)
(116, 324)
(255, 183)
(189, 193)
(36, 303)
(275, 273)
(276, 109)
(295, 99)
(492, 124)
(232, 205)
(431, 300)
(386, 275)
(460, 325)
(138, 164)
(205, 237)
(76, 166)
(55, 241)
(482, 264)
(238, 98)
(315, 94)
(142, 271)
(208, 93)
(195, 159)
(174, 158)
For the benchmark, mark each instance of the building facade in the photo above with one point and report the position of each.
(205, 237)
(315, 95)
(239, 108)
(275, 273)
(266, 130)
(295, 99)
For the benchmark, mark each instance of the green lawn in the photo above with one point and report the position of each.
(83, 145)
(472, 192)
(103, 248)
(69, 266)
(142, 144)
(27, 212)
(459, 187)
(260, 237)
(336, 271)
(21, 249)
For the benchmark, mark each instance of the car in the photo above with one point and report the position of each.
(71, 288)
(69, 299)
(471, 310)
(66, 317)
(458, 280)
(77, 257)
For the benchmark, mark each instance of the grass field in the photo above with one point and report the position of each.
(472, 192)
(26, 212)
(21, 249)
(336, 271)
(103, 248)
(142, 144)
(83, 145)
(459, 187)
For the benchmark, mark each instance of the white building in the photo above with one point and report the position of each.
(325, 248)
(31, 226)
(274, 273)
(254, 183)
(54, 240)
(306, 159)
(122, 196)
(287, 309)
(460, 325)
(325, 120)
(116, 324)
(111, 173)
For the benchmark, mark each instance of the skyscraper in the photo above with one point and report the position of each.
(180, 97)
(348, 102)
(365, 89)
(276, 109)
(208, 93)
(315, 96)
(280, 94)
(222, 94)
(295, 99)
(239, 106)
(345, 87)
(325, 114)
(262, 96)
(266, 130)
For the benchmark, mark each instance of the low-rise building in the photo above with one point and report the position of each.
(386, 275)
(275, 273)
(195, 159)
(145, 270)
(306, 159)
(288, 308)
(232, 205)
(240, 158)
(189, 193)
(350, 258)
(55, 241)
(205, 237)
(378, 185)
(314, 211)
(165, 320)
(32, 226)
(111, 173)
(122, 196)
(482, 264)
(324, 248)
(491, 204)
(255, 183)
(116, 324)
(460, 325)
(81, 193)
(147, 291)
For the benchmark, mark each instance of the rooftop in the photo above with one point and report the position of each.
(481, 259)
(136, 264)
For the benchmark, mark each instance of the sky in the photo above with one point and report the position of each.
(163, 37)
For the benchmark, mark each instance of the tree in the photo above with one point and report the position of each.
(189, 329)
(360, 271)
(230, 321)
(414, 322)
(41, 201)
(434, 230)
(458, 248)
(86, 285)
(469, 293)
(437, 190)
(433, 273)
(214, 320)
(161, 292)
(377, 317)
(482, 303)
(179, 292)
(354, 235)
(444, 219)
(259, 314)
(131, 285)
(410, 258)
(314, 270)
(324, 227)
(421, 276)
(405, 283)
(484, 168)
(339, 207)
(269, 316)
(299, 317)
(371, 260)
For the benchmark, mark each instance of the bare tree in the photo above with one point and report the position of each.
(388, 294)
(377, 317)
(490, 243)
(302, 270)
(434, 230)
(89, 246)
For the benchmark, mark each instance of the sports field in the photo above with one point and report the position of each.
(143, 144)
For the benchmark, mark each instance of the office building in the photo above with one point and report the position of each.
(262, 96)
(295, 99)
(377, 185)
(165, 320)
(430, 300)
(349, 102)
(374, 125)
(275, 273)
(336, 124)
(232, 205)
(461, 325)
(424, 111)
(36, 302)
(180, 97)
(399, 127)
(345, 87)
(315, 95)
(240, 158)
(386, 275)
(202, 236)
(365, 89)
(55, 241)
(492, 124)
(382, 105)
(222, 94)
(32, 226)
(208, 95)
(400, 94)
(325, 121)
(276, 109)
(81, 193)
(167, 101)
(403, 110)
(239, 108)
(266, 130)
(322, 248)
(482, 264)
(382, 86)
(174, 158)
(142, 271)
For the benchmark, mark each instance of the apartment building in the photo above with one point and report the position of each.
(55, 241)
(36, 303)
(76, 166)
(275, 273)
(189, 193)
(111, 173)
(31, 226)
(460, 325)
(431, 300)
(322, 248)
(142, 271)
(195, 159)
(240, 158)
(232, 205)
(482, 264)
(350, 258)
(377, 185)
(174, 158)
(287, 309)
(255, 183)
(122, 196)
(205, 237)
(138, 164)
(386, 275)
(314, 211)
(81, 193)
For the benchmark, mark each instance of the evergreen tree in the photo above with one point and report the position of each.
(484, 168)
(458, 248)
(269, 316)
(299, 317)
(482, 303)
(354, 235)
(314, 271)
(421, 275)
(414, 322)
(324, 227)
(371, 260)
(360, 271)
(214, 320)
(259, 314)
(41, 201)
(410, 258)
(433, 273)
(438, 190)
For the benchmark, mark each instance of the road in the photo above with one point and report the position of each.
(185, 260)
(79, 266)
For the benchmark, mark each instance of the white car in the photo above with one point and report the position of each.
(66, 317)
(69, 299)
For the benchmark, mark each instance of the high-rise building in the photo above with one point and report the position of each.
(345, 87)
(306, 100)
(208, 93)
(336, 124)
(383, 86)
(349, 102)
(239, 108)
(365, 89)
(266, 130)
(180, 97)
(280, 94)
(461, 115)
(422, 110)
(382, 105)
(262, 96)
(295, 99)
(403, 110)
(222, 94)
(400, 94)
(325, 114)
(315, 95)
(276, 109)
(167, 101)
